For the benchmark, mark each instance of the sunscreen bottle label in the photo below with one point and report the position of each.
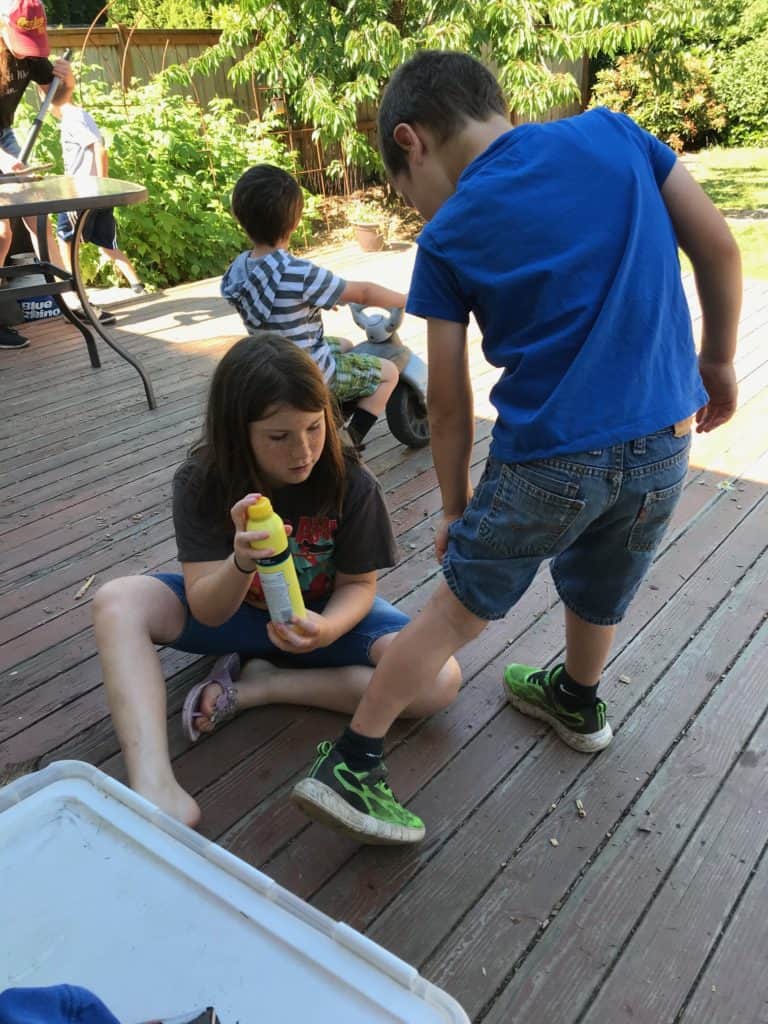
(277, 596)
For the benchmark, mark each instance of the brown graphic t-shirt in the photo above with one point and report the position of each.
(355, 540)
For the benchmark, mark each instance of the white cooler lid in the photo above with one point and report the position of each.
(101, 889)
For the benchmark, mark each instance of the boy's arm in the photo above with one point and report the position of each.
(450, 404)
(369, 294)
(102, 160)
(704, 236)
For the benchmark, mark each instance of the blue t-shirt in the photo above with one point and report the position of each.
(557, 239)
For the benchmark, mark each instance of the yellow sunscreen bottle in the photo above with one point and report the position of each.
(277, 574)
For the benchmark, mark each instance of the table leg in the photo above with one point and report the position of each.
(42, 241)
(93, 322)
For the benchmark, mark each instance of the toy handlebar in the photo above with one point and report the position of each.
(376, 322)
(38, 121)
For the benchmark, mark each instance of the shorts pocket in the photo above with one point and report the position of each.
(527, 517)
(653, 518)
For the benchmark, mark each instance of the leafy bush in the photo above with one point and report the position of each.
(684, 114)
(189, 160)
(742, 85)
(162, 13)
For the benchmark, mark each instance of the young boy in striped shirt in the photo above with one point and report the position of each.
(273, 290)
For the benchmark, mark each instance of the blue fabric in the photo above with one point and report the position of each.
(9, 143)
(246, 633)
(58, 1004)
(558, 240)
(600, 516)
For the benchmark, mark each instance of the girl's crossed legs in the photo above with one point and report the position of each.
(133, 614)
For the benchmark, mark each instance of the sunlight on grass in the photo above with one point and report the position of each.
(736, 181)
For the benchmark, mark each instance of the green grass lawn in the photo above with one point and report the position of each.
(736, 181)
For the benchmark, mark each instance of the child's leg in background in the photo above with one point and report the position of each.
(123, 264)
(365, 380)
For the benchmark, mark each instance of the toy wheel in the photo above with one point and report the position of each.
(407, 416)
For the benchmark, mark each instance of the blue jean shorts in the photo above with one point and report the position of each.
(246, 633)
(599, 516)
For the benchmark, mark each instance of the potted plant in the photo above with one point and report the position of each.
(369, 222)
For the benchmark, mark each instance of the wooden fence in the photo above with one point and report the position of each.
(124, 54)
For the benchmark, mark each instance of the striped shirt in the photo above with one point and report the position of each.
(279, 292)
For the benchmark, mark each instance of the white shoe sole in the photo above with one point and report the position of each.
(321, 803)
(588, 743)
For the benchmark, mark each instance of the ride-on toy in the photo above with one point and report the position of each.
(407, 405)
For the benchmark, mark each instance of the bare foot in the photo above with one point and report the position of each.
(250, 692)
(172, 799)
(207, 706)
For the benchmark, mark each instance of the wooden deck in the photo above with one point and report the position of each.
(648, 909)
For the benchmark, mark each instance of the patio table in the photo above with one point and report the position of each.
(61, 194)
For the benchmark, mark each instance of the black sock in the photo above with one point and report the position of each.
(573, 695)
(360, 424)
(362, 753)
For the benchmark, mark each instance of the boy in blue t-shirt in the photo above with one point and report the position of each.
(561, 239)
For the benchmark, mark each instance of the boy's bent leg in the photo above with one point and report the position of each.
(130, 616)
(412, 662)
(357, 801)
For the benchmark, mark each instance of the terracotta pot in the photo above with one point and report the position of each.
(369, 237)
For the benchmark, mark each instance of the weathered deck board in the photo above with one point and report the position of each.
(629, 934)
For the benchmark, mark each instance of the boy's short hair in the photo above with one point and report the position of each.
(267, 202)
(441, 90)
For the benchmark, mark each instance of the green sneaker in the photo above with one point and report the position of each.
(360, 804)
(533, 691)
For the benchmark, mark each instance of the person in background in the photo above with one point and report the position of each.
(274, 290)
(85, 156)
(24, 50)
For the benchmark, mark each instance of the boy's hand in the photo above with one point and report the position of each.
(722, 388)
(441, 536)
(302, 635)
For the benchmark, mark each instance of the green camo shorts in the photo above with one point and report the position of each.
(357, 375)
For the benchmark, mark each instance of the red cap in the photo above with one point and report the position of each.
(25, 28)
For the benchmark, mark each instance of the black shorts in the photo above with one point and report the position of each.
(100, 228)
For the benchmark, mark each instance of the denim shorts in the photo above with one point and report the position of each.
(100, 228)
(246, 633)
(599, 516)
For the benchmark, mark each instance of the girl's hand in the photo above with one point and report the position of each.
(302, 635)
(62, 69)
(246, 556)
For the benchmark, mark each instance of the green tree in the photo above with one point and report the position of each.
(328, 57)
(163, 13)
(72, 12)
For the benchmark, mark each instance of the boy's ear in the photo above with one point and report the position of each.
(407, 138)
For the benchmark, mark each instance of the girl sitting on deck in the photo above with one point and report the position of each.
(269, 428)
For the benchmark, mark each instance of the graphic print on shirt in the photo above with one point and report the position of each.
(312, 545)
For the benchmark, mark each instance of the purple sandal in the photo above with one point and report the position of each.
(224, 672)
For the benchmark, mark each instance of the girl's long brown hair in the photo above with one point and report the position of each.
(257, 374)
